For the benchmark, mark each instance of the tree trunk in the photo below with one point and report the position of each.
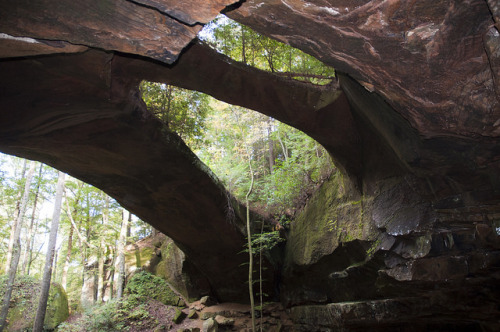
(102, 251)
(250, 251)
(71, 216)
(111, 282)
(121, 255)
(100, 272)
(32, 244)
(10, 286)
(243, 46)
(283, 148)
(129, 228)
(64, 277)
(271, 146)
(28, 251)
(47, 273)
(261, 294)
(15, 217)
(54, 265)
(15, 253)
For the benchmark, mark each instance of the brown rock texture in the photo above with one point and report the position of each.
(105, 24)
(12, 47)
(413, 123)
(426, 58)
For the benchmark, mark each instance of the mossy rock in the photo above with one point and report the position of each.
(170, 266)
(139, 257)
(335, 215)
(145, 285)
(57, 309)
(179, 316)
(24, 302)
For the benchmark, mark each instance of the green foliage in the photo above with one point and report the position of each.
(286, 162)
(131, 310)
(145, 285)
(266, 240)
(184, 111)
(298, 162)
(24, 301)
(103, 317)
(245, 45)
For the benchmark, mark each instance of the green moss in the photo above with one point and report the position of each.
(373, 249)
(167, 250)
(333, 216)
(57, 308)
(24, 301)
(144, 285)
(170, 266)
(139, 257)
(179, 316)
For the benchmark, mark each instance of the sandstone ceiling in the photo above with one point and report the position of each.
(417, 94)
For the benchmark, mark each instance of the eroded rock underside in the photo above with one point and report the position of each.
(406, 238)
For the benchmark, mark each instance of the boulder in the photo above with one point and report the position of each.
(210, 325)
(224, 321)
(24, 302)
(179, 316)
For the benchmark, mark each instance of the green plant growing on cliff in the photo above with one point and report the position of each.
(264, 241)
(373, 248)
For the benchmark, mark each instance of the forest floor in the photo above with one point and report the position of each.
(229, 317)
(158, 317)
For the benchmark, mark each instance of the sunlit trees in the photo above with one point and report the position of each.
(183, 111)
(89, 229)
(299, 162)
(49, 257)
(245, 45)
(14, 248)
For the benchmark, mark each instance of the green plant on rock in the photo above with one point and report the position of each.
(331, 225)
(144, 286)
(138, 314)
(373, 249)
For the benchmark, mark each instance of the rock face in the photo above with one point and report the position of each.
(413, 123)
(426, 58)
(25, 297)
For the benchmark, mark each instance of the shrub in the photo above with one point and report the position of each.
(144, 286)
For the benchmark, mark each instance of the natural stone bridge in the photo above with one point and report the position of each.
(413, 123)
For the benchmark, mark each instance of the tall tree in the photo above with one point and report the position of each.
(102, 250)
(15, 254)
(67, 259)
(15, 219)
(47, 273)
(28, 253)
(121, 254)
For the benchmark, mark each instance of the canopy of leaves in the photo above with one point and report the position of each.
(287, 163)
(229, 139)
(184, 111)
(95, 216)
(245, 45)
